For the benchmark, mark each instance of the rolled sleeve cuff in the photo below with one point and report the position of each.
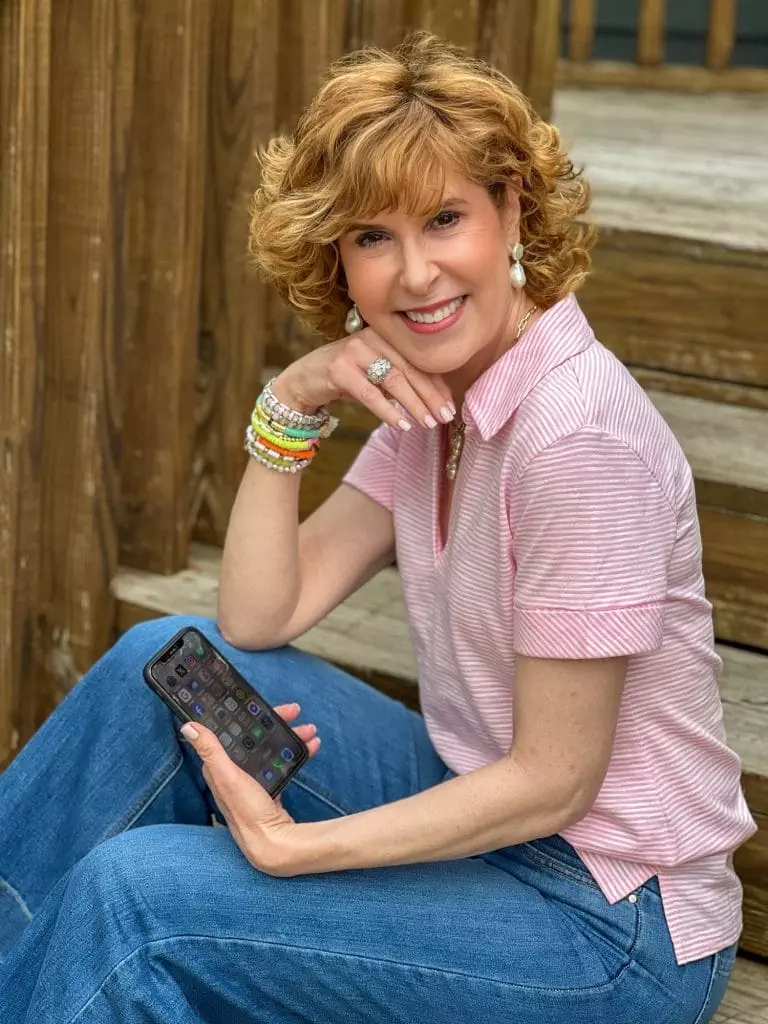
(577, 633)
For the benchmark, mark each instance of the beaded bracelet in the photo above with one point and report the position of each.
(269, 458)
(291, 417)
(283, 438)
(262, 429)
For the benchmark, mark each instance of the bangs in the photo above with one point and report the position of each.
(395, 163)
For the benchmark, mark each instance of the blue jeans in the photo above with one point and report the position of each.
(119, 903)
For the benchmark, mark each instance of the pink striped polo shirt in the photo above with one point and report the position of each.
(574, 534)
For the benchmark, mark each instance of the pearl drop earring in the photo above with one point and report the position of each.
(516, 269)
(354, 321)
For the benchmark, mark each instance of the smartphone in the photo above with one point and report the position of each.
(199, 685)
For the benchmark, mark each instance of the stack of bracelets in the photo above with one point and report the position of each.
(282, 438)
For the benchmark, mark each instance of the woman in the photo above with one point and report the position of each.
(552, 840)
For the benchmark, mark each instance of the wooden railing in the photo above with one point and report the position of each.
(579, 67)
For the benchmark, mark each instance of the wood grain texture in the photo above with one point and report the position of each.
(455, 20)
(162, 233)
(235, 303)
(581, 29)
(651, 35)
(663, 175)
(699, 387)
(746, 999)
(380, 23)
(721, 33)
(24, 109)
(680, 306)
(312, 35)
(81, 432)
(601, 74)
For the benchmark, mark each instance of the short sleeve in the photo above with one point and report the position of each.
(373, 471)
(593, 535)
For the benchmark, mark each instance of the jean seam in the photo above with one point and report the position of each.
(319, 791)
(15, 895)
(458, 975)
(557, 867)
(159, 781)
(713, 977)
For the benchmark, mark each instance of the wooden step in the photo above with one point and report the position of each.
(368, 634)
(746, 1000)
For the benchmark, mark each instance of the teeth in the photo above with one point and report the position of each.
(437, 314)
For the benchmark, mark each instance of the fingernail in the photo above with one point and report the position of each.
(452, 407)
(189, 732)
(446, 415)
(430, 421)
(404, 425)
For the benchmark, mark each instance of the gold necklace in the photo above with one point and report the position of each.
(456, 429)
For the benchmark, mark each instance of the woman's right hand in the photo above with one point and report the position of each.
(337, 370)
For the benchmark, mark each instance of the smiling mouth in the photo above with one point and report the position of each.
(434, 316)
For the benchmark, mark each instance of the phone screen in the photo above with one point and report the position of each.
(199, 684)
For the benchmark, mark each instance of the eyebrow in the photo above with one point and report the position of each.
(448, 201)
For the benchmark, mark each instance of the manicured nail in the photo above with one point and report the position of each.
(430, 421)
(404, 425)
(189, 732)
(446, 415)
(452, 407)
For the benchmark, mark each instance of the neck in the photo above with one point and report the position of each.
(462, 379)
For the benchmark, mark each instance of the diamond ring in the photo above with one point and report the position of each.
(378, 370)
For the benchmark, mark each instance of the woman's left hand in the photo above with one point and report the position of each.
(259, 824)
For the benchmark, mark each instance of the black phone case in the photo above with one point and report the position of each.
(181, 712)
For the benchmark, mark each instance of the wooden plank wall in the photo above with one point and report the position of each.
(24, 98)
(134, 330)
(167, 50)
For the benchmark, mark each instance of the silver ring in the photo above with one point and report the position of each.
(378, 370)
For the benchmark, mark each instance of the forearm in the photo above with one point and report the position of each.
(498, 805)
(259, 585)
(260, 581)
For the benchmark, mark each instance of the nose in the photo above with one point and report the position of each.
(418, 272)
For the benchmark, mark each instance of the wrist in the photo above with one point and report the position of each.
(312, 848)
(288, 390)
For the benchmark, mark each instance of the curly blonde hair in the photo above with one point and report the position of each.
(381, 126)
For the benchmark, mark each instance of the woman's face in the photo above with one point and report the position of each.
(403, 271)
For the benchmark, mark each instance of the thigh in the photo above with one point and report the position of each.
(374, 750)
(171, 923)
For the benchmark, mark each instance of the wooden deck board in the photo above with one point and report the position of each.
(672, 175)
(746, 1000)
(370, 630)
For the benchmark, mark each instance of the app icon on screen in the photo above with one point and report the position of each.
(190, 660)
(205, 675)
(199, 650)
(257, 732)
(268, 774)
(253, 707)
(185, 695)
(193, 685)
(287, 754)
(234, 728)
(230, 703)
(171, 680)
(198, 708)
(226, 739)
(240, 693)
(180, 670)
(267, 722)
(248, 742)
